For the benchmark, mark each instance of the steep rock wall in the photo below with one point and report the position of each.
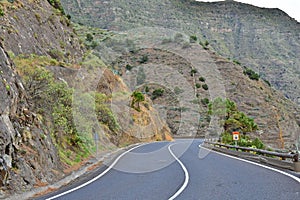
(27, 155)
(35, 27)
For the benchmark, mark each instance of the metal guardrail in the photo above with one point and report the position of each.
(283, 156)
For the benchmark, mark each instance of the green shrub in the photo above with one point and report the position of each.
(137, 97)
(56, 54)
(251, 74)
(193, 71)
(104, 113)
(234, 119)
(226, 138)
(7, 88)
(128, 67)
(244, 141)
(89, 37)
(198, 85)
(193, 39)
(69, 17)
(204, 45)
(1, 12)
(157, 93)
(267, 82)
(236, 62)
(202, 79)
(258, 143)
(205, 87)
(93, 45)
(57, 4)
(52, 100)
(205, 101)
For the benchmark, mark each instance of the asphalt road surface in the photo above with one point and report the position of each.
(181, 170)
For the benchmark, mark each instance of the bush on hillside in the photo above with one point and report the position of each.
(233, 118)
(205, 87)
(1, 12)
(193, 39)
(244, 141)
(202, 79)
(57, 4)
(251, 74)
(157, 93)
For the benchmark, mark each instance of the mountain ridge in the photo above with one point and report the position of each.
(266, 40)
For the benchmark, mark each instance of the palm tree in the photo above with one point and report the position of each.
(137, 97)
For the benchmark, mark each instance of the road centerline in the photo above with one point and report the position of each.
(186, 174)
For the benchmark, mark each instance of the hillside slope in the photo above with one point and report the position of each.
(183, 77)
(266, 40)
(45, 129)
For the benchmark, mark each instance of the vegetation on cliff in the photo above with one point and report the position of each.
(54, 100)
(266, 40)
(234, 120)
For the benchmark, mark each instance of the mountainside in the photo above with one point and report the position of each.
(266, 40)
(56, 98)
(28, 155)
(36, 27)
(183, 78)
(66, 94)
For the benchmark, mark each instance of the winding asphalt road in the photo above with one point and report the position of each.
(181, 170)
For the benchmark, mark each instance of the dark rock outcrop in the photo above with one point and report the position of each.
(28, 157)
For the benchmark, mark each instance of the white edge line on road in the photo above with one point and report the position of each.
(97, 177)
(186, 174)
(254, 163)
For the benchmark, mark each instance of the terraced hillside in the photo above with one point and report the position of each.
(266, 40)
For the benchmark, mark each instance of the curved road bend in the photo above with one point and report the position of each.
(173, 170)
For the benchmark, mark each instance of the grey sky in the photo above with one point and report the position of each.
(291, 7)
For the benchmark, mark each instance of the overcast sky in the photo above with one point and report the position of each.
(291, 7)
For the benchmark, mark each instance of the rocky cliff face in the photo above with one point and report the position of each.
(35, 27)
(28, 157)
(39, 73)
(267, 40)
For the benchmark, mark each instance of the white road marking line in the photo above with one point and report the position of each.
(97, 177)
(264, 166)
(186, 174)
